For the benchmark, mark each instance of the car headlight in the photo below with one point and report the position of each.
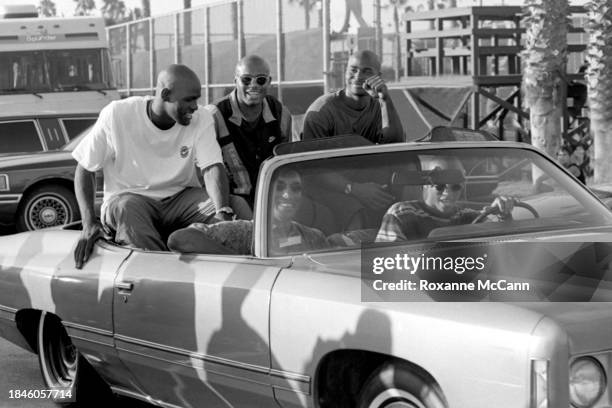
(587, 381)
(4, 182)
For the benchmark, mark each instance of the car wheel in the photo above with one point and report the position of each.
(47, 206)
(394, 385)
(63, 368)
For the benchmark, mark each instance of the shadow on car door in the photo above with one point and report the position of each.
(194, 330)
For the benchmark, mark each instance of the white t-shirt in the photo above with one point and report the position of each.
(140, 158)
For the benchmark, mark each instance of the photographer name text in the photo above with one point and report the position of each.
(424, 285)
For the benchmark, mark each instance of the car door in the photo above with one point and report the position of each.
(83, 298)
(194, 329)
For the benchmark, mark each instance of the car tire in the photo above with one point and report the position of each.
(64, 369)
(47, 206)
(395, 385)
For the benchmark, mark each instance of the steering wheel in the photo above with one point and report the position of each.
(495, 210)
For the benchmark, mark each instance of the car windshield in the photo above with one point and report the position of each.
(432, 194)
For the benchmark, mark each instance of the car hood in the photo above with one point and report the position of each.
(18, 160)
(586, 234)
(588, 325)
(571, 285)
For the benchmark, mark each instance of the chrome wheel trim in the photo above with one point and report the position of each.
(47, 210)
(58, 354)
(395, 398)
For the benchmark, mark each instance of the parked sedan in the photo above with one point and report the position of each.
(32, 132)
(37, 189)
(291, 322)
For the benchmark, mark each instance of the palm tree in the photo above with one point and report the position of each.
(308, 5)
(114, 12)
(544, 65)
(84, 7)
(398, 6)
(146, 8)
(187, 23)
(47, 8)
(599, 80)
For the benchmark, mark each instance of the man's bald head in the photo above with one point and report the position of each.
(176, 74)
(367, 58)
(177, 93)
(252, 65)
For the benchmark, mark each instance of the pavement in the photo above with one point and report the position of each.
(19, 370)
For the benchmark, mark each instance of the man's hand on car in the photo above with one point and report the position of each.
(373, 195)
(90, 234)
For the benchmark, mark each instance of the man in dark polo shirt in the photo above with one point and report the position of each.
(249, 123)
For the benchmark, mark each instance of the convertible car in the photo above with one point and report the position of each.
(286, 324)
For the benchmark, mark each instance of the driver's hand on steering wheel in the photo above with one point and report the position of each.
(503, 206)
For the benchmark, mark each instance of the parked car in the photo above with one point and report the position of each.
(286, 325)
(41, 132)
(37, 189)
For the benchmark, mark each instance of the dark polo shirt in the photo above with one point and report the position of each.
(245, 145)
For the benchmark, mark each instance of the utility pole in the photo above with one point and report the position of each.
(377, 29)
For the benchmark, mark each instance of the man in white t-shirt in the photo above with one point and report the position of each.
(149, 149)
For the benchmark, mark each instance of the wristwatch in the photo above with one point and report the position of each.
(225, 210)
(348, 188)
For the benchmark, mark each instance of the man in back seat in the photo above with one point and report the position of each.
(235, 237)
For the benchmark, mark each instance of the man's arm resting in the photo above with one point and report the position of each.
(392, 129)
(217, 187)
(85, 187)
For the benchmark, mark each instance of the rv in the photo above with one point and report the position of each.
(53, 65)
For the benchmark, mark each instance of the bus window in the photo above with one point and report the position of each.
(76, 69)
(53, 70)
(20, 71)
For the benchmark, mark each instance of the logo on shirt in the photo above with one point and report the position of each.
(184, 151)
(271, 139)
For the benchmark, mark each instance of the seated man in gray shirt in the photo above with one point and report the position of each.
(363, 107)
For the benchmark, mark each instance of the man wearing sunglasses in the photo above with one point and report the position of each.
(249, 123)
(414, 220)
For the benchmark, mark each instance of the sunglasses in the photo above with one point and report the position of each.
(294, 188)
(452, 187)
(260, 80)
